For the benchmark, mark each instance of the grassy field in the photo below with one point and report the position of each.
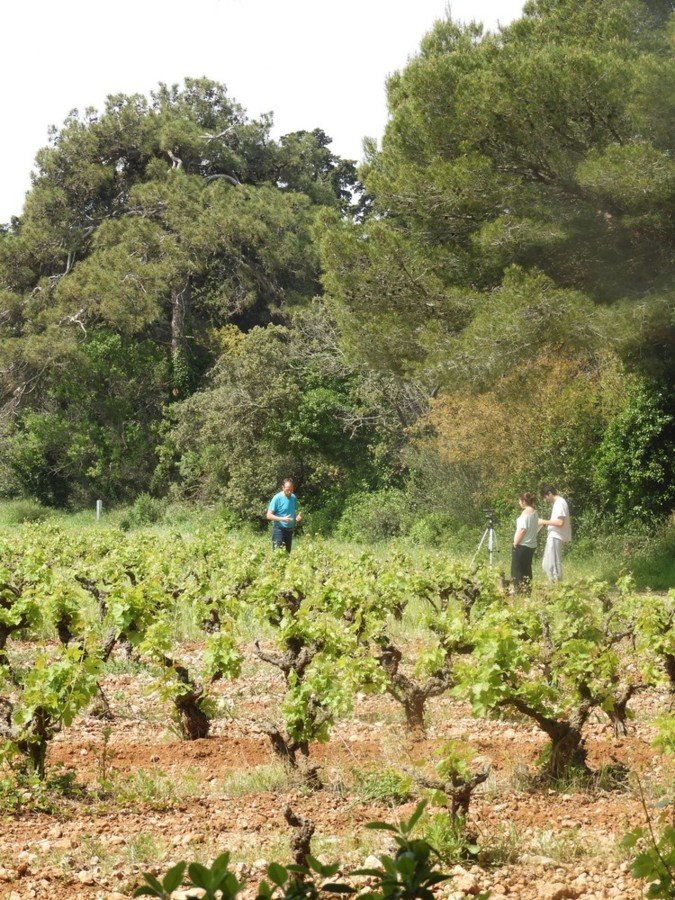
(650, 558)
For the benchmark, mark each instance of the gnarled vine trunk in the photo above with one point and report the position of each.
(411, 694)
(194, 722)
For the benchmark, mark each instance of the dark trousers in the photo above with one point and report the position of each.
(521, 567)
(282, 537)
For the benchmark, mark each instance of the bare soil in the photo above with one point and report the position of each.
(141, 799)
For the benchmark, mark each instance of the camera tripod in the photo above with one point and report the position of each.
(491, 535)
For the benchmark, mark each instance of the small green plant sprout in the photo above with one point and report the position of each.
(455, 783)
(306, 878)
(217, 882)
(307, 882)
(453, 788)
(412, 872)
(193, 705)
(655, 860)
(383, 785)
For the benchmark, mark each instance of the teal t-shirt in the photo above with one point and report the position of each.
(281, 505)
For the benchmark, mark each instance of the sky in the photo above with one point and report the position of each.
(313, 64)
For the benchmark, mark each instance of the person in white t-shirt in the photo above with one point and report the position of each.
(559, 533)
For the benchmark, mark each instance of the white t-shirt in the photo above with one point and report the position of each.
(561, 510)
(530, 522)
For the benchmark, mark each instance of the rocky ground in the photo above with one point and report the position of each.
(132, 797)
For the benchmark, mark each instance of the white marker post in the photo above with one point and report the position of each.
(99, 509)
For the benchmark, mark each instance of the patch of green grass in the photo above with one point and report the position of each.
(386, 785)
(122, 664)
(21, 790)
(272, 778)
(150, 788)
(16, 512)
(143, 848)
(653, 566)
(451, 839)
(502, 848)
(561, 845)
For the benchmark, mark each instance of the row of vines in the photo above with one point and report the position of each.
(333, 623)
(327, 620)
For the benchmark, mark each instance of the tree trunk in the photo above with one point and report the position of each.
(100, 708)
(4, 634)
(303, 829)
(35, 746)
(195, 724)
(180, 305)
(669, 661)
(618, 715)
(567, 751)
(414, 701)
(567, 744)
(287, 750)
(63, 630)
(180, 308)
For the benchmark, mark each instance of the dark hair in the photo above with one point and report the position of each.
(528, 498)
(286, 481)
(547, 489)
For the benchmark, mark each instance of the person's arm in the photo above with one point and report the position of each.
(518, 536)
(273, 517)
(558, 523)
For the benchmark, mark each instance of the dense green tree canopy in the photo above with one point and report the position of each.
(189, 306)
(544, 147)
(156, 221)
(522, 225)
(284, 401)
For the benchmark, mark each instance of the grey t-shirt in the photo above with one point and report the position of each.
(530, 522)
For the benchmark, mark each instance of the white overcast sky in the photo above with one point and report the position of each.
(313, 64)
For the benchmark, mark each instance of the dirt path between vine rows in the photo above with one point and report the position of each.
(136, 798)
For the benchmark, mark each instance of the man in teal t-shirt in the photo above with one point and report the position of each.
(284, 515)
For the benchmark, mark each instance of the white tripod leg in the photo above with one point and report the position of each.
(480, 544)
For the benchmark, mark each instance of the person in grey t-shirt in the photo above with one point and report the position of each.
(524, 542)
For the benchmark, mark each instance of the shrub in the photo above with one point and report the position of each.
(146, 510)
(653, 565)
(20, 511)
(374, 517)
(635, 461)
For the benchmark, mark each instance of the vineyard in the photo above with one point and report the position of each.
(167, 697)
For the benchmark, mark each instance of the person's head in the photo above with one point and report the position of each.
(527, 499)
(287, 486)
(548, 492)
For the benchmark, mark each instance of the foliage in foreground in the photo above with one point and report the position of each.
(410, 873)
(655, 861)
